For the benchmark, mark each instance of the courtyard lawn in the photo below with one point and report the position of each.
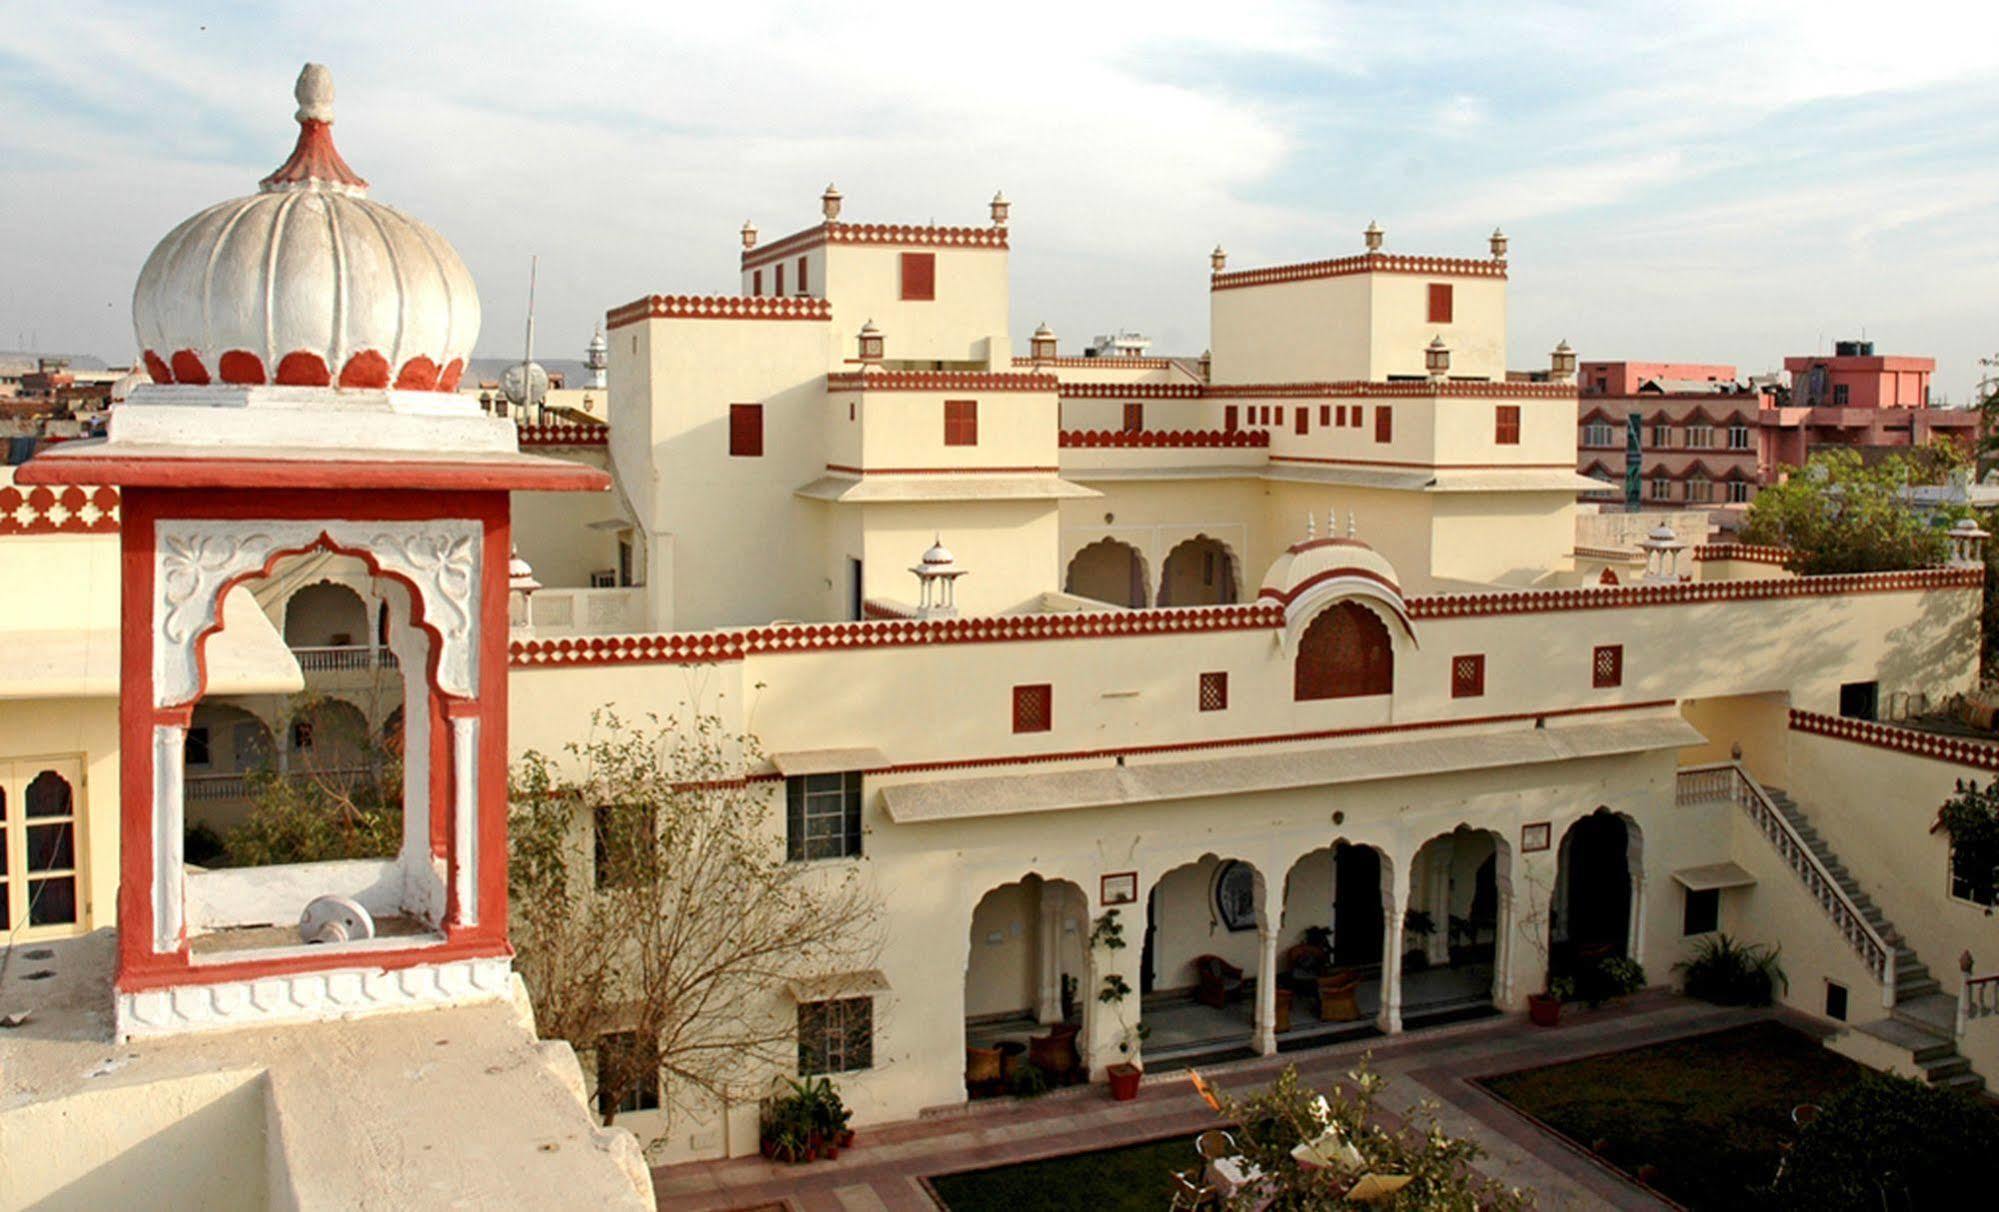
(1136, 1178)
(1708, 1111)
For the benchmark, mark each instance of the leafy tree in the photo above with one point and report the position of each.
(1272, 1122)
(342, 797)
(1889, 1142)
(1837, 514)
(652, 901)
(1971, 818)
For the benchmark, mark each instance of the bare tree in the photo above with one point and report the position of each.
(653, 904)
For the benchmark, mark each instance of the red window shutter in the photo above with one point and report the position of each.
(1134, 418)
(1440, 302)
(803, 288)
(1033, 708)
(1468, 676)
(1325, 416)
(1304, 420)
(757, 282)
(919, 276)
(777, 280)
(1506, 424)
(1607, 666)
(746, 430)
(961, 422)
(1231, 418)
(1353, 415)
(1345, 653)
(1384, 423)
(1214, 694)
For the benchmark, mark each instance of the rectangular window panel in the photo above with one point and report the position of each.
(1702, 912)
(777, 280)
(822, 815)
(919, 276)
(1134, 418)
(961, 422)
(1607, 666)
(803, 285)
(1468, 676)
(622, 1059)
(836, 1036)
(195, 753)
(746, 431)
(757, 282)
(1033, 708)
(1506, 424)
(1303, 421)
(1214, 692)
(1325, 416)
(1384, 423)
(1440, 302)
(1835, 1001)
(1231, 418)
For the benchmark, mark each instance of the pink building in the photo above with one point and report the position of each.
(1625, 378)
(1854, 376)
(1861, 399)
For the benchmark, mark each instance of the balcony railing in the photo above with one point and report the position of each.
(235, 784)
(1977, 998)
(343, 656)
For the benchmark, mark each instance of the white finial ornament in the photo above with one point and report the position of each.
(1310, 533)
(829, 202)
(314, 91)
(1353, 524)
(1373, 236)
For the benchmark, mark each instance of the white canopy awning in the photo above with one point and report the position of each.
(827, 761)
(864, 983)
(1713, 876)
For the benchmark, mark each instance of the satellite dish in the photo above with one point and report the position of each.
(531, 388)
(335, 919)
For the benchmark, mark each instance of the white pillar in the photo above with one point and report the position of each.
(465, 815)
(1048, 955)
(1266, 988)
(1636, 932)
(169, 832)
(1394, 901)
(1502, 947)
(1437, 948)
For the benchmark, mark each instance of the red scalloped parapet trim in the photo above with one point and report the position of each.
(565, 433)
(1106, 362)
(72, 510)
(1903, 740)
(936, 380)
(1371, 388)
(1366, 263)
(706, 647)
(1743, 552)
(1179, 439)
(905, 234)
(1131, 391)
(717, 307)
(1613, 597)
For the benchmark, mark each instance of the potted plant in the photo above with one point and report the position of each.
(1108, 933)
(1544, 1009)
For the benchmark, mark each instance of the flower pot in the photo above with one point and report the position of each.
(846, 1138)
(1124, 1081)
(1544, 1009)
(768, 1148)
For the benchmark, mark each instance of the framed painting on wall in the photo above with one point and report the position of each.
(1120, 888)
(1235, 895)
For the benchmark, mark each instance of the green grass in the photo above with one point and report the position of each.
(1135, 1178)
(1708, 1111)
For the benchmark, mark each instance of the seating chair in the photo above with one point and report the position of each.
(1336, 996)
(1191, 1194)
(1055, 1053)
(1218, 981)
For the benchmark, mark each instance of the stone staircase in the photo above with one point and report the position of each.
(1923, 1021)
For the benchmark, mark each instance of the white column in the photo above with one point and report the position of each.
(1502, 946)
(1266, 989)
(1636, 933)
(1048, 955)
(169, 832)
(1437, 948)
(465, 815)
(1394, 901)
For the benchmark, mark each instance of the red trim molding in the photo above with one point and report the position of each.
(565, 433)
(1423, 466)
(76, 509)
(844, 469)
(1366, 263)
(717, 307)
(1107, 362)
(1613, 597)
(1180, 439)
(1132, 391)
(1425, 389)
(1743, 553)
(894, 234)
(938, 380)
(1902, 740)
(537, 475)
(1284, 597)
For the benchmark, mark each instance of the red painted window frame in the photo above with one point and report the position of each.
(1034, 707)
(746, 431)
(804, 286)
(1506, 424)
(1231, 418)
(1468, 676)
(1325, 416)
(1134, 417)
(1212, 693)
(1441, 302)
(1384, 424)
(1303, 421)
(777, 279)
(757, 282)
(1606, 666)
(961, 422)
(919, 277)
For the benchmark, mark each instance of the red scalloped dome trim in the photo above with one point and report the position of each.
(241, 367)
(417, 374)
(156, 366)
(448, 381)
(365, 369)
(302, 369)
(188, 368)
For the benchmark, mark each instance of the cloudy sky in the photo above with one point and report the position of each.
(1701, 181)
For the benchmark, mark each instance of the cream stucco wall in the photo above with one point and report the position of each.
(1296, 332)
(965, 323)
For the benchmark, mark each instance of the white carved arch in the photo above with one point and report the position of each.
(194, 559)
(1309, 604)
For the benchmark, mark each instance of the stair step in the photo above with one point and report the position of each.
(1968, 1083)
(1917, 1042)
(1944, 1068)
(1918, 989)
(1927, 1009)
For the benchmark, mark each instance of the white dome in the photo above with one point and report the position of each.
(938, 555)
(307, 283)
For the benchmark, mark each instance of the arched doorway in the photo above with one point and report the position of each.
(1346, 652)
(1198, 572)
(1108, 571)
(1455, 932)
(326, 615)
(1329, 956)
(1202, 958)
(1025, 977)
(1597, 880)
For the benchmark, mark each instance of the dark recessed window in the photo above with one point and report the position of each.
(1835, 1001)
(746, 431)
(1384, 423)
(836, 1036)
(1214, 692)
(822, 815)
(1702, 912)
(622, 1058)
(196, 750)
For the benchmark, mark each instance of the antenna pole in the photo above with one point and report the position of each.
(527, 355)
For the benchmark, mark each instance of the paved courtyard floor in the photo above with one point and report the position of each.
(884, 1170)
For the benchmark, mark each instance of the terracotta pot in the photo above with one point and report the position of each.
(846, 1138)
(1544, 1009)
(1124, 1081)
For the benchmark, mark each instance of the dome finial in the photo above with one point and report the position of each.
(314, 91)
(314, 163)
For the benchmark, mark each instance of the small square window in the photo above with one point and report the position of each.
(1607, 666)
(624, 1060)
(1214, 692)
(1702, 912)
(1506, 424)
(746, 431)
(1384, 423)
(1033, 708)
(836, 1036)
(1440, 303)
(1468, 676)
(919, 277)
(195, 751)
(1835, 1001)
(961, 422)
(822, 816)
(301, 735)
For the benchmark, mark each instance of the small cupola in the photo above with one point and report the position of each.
(1498, 242)
(749, 235)
(870, 344)
(937, 574)
(829, 203)
(1373, 236)
(1437, 359)
(1000, 208)
(1041, 346)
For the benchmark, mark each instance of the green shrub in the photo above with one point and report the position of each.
(1889, 1142)
(1729, 973)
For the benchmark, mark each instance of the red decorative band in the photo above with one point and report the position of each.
(76, 509)
(565, 433)
(1284, 597)
(1184, 439)
(1131, 391)
(1107, 361)
(717, 307)
(1413, 389)
(1744, 553)
(1422, 466)
(1903, 740)
(905, 235)
(875, 609)
(1366, 263)
(1612, 597)
(937, 380)
(367, 368)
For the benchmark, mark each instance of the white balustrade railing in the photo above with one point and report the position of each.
(1729, 781)
(559, 612)
(1978, 997)
(216, 786)
(344, 656)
